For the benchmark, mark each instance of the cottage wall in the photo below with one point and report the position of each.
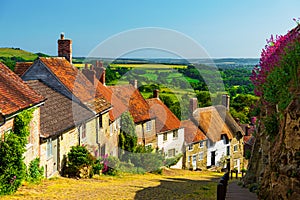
(200, 163)
(109, 135)
(32, 148)
(50, 163)
(148, 136)
(66, 141)
(171, 142)
(236, 157)
(220, 149)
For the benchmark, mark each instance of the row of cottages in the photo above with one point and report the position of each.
(213, 138)
(15, 97)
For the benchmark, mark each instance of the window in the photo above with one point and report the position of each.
(225, 139)
(175, 134)
(111, 129)
(190, 147)
(201, 155)
(171, 152)
(189, 158)
(148, 126)
(235, 148)
(201, 144)
(102, 150)
(165, 136)
(49, 147)
(100, 121)
(83, 131)
(228, 150)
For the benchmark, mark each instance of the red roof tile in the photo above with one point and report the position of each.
(165, 119)
(77, 83)
(191, 132)
(21, 67)
(132, 99)
(15, 95)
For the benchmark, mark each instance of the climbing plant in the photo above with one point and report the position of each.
(12, 148)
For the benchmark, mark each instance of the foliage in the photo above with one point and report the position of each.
(12, 148)
(276, 77)
(78, 158)
(127, 137)
(35, 173)
(12, 167)
(172, 161)
(271, 124)
(248, 154)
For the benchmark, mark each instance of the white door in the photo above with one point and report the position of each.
(194, 162)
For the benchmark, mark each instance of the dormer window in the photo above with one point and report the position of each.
(225, 139)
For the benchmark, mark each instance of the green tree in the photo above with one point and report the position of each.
(127, 137)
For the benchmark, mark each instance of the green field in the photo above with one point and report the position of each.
(148, 66)
(15, 52)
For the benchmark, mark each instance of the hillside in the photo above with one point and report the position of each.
(9, 56)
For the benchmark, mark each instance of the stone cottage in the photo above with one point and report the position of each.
(170, 136)
(16, 96)
(195, 155)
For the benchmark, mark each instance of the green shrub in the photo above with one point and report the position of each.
(12, 148)
(172, 161)
(35, 173)
(79, 158)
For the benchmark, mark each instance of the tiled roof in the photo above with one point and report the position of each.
(77, 83)
(165, 119)
(21, 67)
(212, 123)
(15, 95)
(191, 132)
(118, 106)
(131, 98)
(59, 113)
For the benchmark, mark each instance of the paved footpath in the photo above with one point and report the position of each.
(235, 192)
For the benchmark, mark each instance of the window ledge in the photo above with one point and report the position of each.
(28, 146)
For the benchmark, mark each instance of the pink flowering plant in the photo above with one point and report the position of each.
(278, 69)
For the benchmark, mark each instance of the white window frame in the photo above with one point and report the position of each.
(201, 144)
(165, 137)
(171, 151)
(83, 130)
(175, 135)
(49, 148)
(148, 126)
(235, 148)
(189, 158)
(201, 155)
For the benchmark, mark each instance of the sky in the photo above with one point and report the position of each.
(224, 28)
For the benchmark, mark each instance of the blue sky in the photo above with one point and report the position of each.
(228, 28)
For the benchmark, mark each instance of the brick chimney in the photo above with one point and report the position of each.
(65, 48)
(226, 101)
(156, 94)
(134, 83)
(89, 73)
(193, 105)
(100, 72)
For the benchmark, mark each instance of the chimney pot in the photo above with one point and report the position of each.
(226, 101)
(92, 67)
(65, 48)
(156, 94)
(85, 66)
(134, 83)
(193, 105)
